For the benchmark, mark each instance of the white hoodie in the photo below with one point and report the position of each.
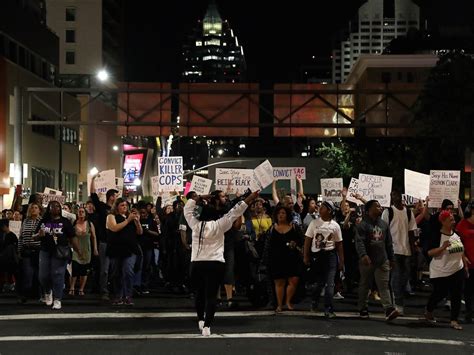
(212, 242)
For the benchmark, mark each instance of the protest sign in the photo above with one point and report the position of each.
(263, 176)
(119, 186)
(187, 188)
(374, 187)
(15, 227)
(201, 185)
(408, 200)
(353, 190)
(50, 191)
(170, 173)
(234, 180)
(68, 215)
(103, 182)
(155, 188)
(331, 189)
(417, 184)
(47, 198)
(289, 173)
(444, 184)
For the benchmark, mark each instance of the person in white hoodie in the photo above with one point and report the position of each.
(207, 258)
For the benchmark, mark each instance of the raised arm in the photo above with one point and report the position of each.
(300, 188)
(275, 193)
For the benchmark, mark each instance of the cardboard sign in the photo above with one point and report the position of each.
(409, 200)
(331, 189)
(48, 198)
(170, 173)
(15, 227)
(263, 176)
(444, 184)
(234, 180)
(168, 199)
(201, 185)
(119, 186)
(289, 173)
(352, 190)
(104, 181)
(374, 187)
(155, 188)
(417, 184)
(50, 191)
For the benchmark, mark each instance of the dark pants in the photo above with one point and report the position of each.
(400, 277)
(206, 277)
(323, 272)
(442, 287)
(122, 274)
(469, 293)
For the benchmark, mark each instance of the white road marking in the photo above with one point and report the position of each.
(231, 336)
(117, 315)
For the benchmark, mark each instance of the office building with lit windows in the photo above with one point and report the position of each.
(377, 23)
(213, 52)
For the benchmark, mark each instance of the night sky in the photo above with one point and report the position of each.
(277, 38)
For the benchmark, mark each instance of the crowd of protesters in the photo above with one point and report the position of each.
(272, 250)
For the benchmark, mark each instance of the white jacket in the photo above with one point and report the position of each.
(212, 243)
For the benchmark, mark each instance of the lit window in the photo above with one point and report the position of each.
(213, 42)
(198, 43)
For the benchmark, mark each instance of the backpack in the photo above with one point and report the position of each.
(390, 214)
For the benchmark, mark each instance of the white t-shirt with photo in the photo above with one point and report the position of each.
(325, 234)
(450, 261)
(399, 228)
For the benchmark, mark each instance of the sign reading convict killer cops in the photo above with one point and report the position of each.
(170, 173)
(444, 184)
(331, 189)
(289, 173)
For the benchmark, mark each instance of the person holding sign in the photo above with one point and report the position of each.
(448, 269)
(207, 258)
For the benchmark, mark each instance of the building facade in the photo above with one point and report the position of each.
(213, 52)
(377, 23)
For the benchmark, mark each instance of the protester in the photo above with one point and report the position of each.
(208, 263)
(375, 250)
(323, 252)
(310, 212)
(56, 234)
(283, 255)
(448, 268)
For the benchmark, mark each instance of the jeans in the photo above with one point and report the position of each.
(206, 277)
(400, 277)
(442, 287)
(142, 277)
(382, 275)
(51, 274)
(323, 270)
(104, 269)
(29, 273)
(122, 274)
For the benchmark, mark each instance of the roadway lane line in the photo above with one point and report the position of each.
(118, 315)
(234, 336)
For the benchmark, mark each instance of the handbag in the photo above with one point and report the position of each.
(63, 252)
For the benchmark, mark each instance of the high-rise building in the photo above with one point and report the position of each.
(378, 22)
(91, 38)
(213, 52)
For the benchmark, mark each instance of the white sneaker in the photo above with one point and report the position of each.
(206, 331)
(201, 325)
(48, 298)
(57, 304)
(338, 296)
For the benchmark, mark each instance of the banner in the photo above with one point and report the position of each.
(170, 173)
(263, 176)
(352, 190)
(234, 180)
(289, 173)
(417, 184)
(374, 187)
(104, 181)
(444, 184)
(331, 189)
(201, 185)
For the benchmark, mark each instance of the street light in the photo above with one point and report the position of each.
(137, 182)
(220, 152)
(94, 171)
(103, 75)
(115, 148)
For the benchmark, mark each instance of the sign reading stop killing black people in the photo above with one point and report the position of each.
(170, 173)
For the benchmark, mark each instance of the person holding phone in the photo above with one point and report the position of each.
(123, 227)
